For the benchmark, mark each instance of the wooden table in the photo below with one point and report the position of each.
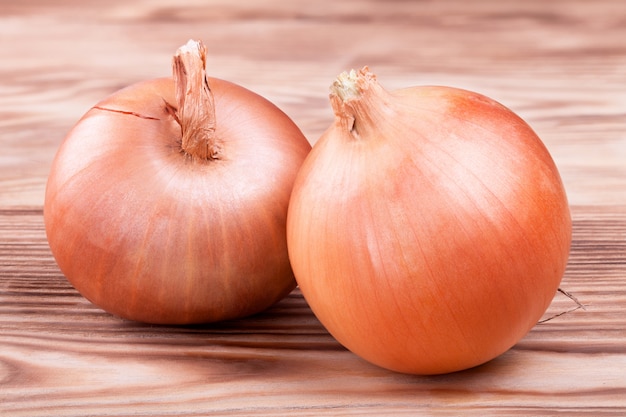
(560, 64)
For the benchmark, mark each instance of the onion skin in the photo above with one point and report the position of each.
(152, 233)
(428, 229)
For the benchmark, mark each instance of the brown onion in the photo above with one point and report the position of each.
(167, 202)
(428, 228)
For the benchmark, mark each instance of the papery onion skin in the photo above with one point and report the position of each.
(429, 228)
(150, 233)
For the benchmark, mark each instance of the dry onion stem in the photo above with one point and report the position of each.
(196, 108)
(569, 295)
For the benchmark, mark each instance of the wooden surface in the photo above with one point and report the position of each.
(560, 64)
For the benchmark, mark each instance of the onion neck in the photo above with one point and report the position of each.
(196, 109)
(359, 102)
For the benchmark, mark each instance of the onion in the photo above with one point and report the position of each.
(428, 229)
(167, 202)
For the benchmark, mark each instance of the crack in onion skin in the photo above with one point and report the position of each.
(429, 228)
(148, 233)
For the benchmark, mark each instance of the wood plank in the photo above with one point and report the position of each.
(560, 64)
(61, 355)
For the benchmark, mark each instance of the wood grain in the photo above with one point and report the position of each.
(61, 355)
(560, 64)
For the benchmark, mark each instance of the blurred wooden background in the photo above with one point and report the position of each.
(560, 64)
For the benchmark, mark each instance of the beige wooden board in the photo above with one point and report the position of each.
(560, 64)
(62, 356)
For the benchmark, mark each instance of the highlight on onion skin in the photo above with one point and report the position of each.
(429, 228)
(167, 202)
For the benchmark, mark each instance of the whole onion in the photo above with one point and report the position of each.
(428, 229)
(167, 202)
